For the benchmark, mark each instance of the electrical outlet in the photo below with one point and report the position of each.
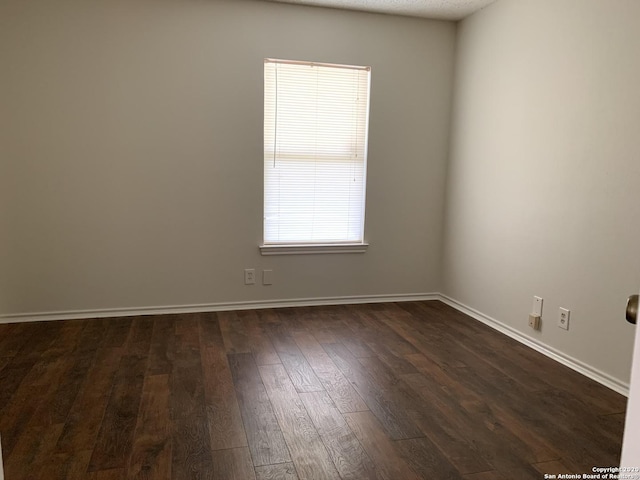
(249, 276)
(563, 318)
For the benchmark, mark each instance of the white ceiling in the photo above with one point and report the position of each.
(441, 9)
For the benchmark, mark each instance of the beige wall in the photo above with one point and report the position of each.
(544, 171)
(131, 151)
(131, 158)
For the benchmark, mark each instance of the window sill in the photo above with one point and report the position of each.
(312, 249)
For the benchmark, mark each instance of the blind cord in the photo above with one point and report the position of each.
(275, 130)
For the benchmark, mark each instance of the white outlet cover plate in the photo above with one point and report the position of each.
(537, 306)
(563, 318)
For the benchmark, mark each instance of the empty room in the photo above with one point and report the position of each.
(319, 239)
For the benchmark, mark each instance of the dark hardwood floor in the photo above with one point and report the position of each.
(384, 391)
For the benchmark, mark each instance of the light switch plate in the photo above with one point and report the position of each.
(537, 306)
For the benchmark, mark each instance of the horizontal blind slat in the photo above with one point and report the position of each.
(315, 133)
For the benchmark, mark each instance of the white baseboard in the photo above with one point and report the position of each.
(213, 307)
(573, 363)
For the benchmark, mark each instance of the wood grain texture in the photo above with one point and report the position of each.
(223, 412)
(379, 447)
(386, 391)
(345, 450)
(264, 436)
(190, 440)
(435, 381)
(302, 375)
(86, 414)
(308, 453)
(281, 471)
(118, 332)
(151, 453)
(377, 334)
(432, 422)
(14, 336)
(553, 467)
(263, 351)
(352, 341)
(115, 438)
(31, 451)
(492, 475)
(162, 345)
(65, 466)
(426, 459)
(16, 416)
(233, 464)
(577, 447)
(497, 444)
(112, 474)
(234, 333)
(66, 382)
(392, 416)
(334, 382)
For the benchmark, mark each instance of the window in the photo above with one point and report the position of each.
(315, 156)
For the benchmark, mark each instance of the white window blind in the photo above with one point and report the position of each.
(315, 148)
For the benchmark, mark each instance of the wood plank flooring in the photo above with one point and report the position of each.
(393, 391)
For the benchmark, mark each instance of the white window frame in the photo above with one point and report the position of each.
(286, 248)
